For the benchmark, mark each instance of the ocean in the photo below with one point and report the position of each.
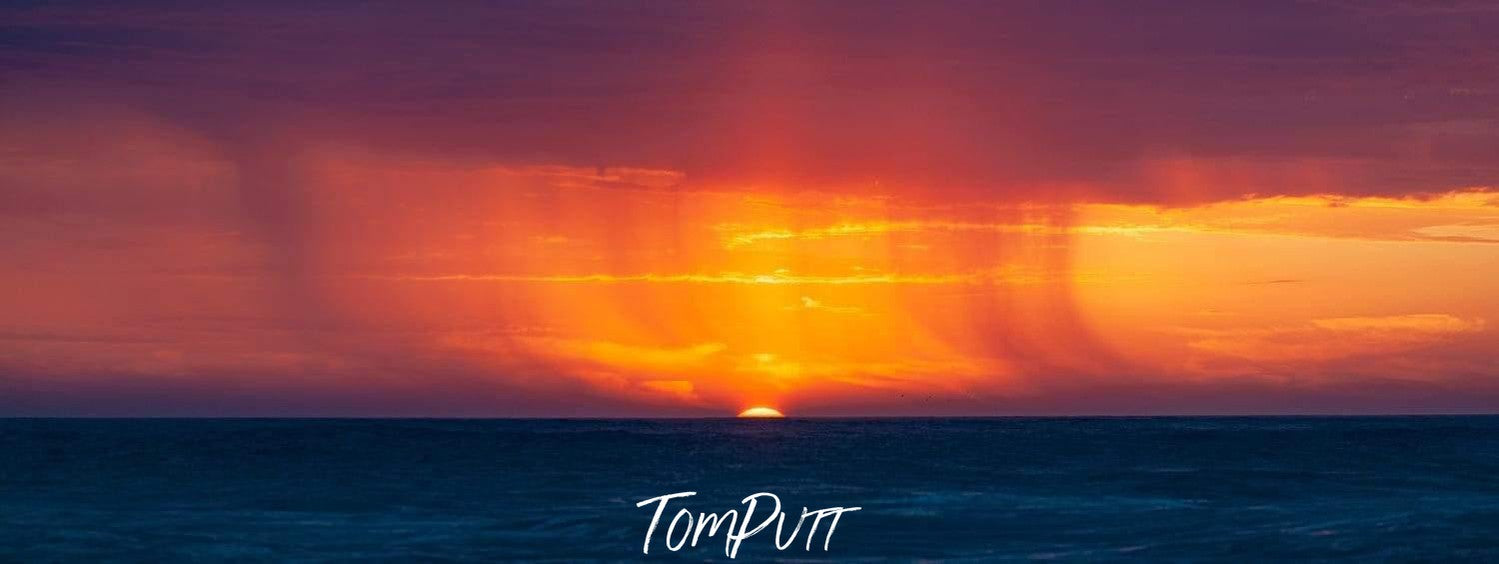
(967, 489)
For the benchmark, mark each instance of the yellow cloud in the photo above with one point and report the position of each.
(626, 356)
(1333, 338)
(778, 277)
(1428, 323)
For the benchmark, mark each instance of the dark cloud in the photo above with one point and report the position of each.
(1005, 100)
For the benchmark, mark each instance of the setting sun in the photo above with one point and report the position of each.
(762, 413)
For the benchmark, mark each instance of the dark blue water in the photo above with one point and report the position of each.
(1237, 489)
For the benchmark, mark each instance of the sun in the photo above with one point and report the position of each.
(762, 413)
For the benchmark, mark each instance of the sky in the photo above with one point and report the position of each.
(596, 209)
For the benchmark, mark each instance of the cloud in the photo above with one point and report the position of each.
(1426, 218)
(1483, 233)
(811, 304)
(737, 278)
(1007, 102)
(1334, 338)
(632, 358)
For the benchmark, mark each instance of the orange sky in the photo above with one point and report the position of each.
(620, 285)
(772, 223)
